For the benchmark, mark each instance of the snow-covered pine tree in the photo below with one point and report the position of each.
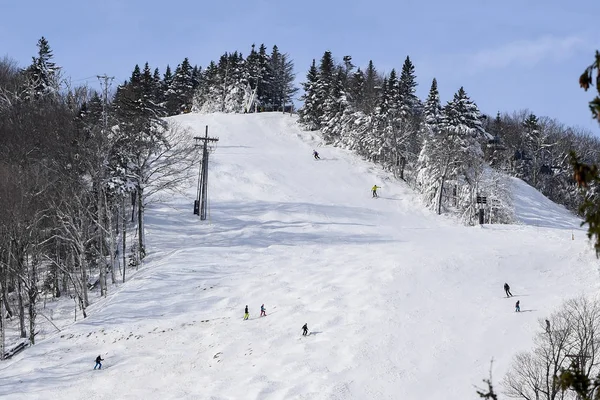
(356, 88)
(464, 130)
(196, 77)
(263, 89)
(524, 158)
(157, 88)
(410, 108)
(495, 151)
(167, 91)
(335, 108)
(323, 88)
(408, 88)
(43, 75)
(372, 88)
(182, 89)
(207, 97)
(288, 88)
(377, 141)
(237, 89)
(386, 122)
(433, 163)
(309, 113)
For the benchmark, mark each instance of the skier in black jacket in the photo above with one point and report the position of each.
(507, 290)
(98, 363)
(305, 329)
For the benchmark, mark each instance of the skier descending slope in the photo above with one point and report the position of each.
(316, 155)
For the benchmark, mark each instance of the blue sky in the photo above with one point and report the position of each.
(508, 55)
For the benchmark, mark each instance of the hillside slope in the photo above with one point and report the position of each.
(401, 303)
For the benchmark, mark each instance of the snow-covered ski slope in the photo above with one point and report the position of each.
(401, 303)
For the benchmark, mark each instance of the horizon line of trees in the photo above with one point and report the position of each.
(262, 81)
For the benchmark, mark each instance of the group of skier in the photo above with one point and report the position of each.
(373, 189)
(263, 312)
(509, 294)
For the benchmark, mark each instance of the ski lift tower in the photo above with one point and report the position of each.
(201, 201)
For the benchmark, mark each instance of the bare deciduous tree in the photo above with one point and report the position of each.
(573, 337)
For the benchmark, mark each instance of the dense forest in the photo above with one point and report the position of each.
(79, 166)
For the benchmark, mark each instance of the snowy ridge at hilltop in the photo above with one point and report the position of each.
(400, 303)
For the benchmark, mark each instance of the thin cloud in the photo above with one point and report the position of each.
(527, 53)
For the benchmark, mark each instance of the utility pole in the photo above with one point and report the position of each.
(105, 83)
(201, 200)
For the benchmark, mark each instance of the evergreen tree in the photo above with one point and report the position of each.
(253, 68)
(335, 109)
(323, 87)
(410, 110)
(148, 84)
(356, 88)
(433, 162)
(182, 89)
(309, 113)
(43, 75)
(196, 77)
(371, 89)
(169, 97)
(263, 89)
(158, 93)
(408, 88)
(463, 126)
(288, 89)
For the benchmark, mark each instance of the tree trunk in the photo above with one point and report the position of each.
(2, 322)
(32, 294)
(124, 240)
(140, 205)
(439, 196)
(23, 332)
(113, 245)
(4, 296)
(4, 289)
(84, 280)
(441, 188)
(133, 202)
(102, 259)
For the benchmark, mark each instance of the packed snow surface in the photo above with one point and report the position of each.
(400, 303)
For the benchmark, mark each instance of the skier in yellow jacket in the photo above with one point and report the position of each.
(374, 190)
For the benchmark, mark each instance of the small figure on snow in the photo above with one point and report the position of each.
(518, 306)
(98, 363)
(316, 155)
(547, 326)
(507, 290)
(305, 329)
(374, 190)
(263, 311)
(246, 313)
